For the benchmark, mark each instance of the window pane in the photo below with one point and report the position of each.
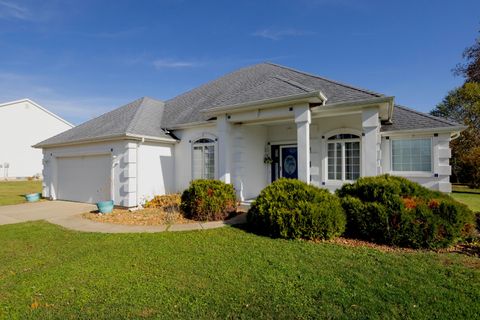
(331, 161)
(337, 165)
(352, 160)
(197, 162)
(203, 159)
(338, 161)
(209, 169)
(412, 155)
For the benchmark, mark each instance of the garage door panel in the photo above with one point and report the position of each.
(84, 178)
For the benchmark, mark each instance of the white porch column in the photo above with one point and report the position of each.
(303, 120)
(224, 148)
(370, 142)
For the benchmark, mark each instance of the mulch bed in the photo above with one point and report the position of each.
(472, 250)
(143, 217)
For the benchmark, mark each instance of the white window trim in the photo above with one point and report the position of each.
(214, 143)
(412, 173)
(342, 142)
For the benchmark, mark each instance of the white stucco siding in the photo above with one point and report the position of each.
(250, 173)
(156, 170)
(439, 177)
(23, 124)
(123, 169)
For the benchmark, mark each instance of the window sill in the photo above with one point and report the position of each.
(416, 174)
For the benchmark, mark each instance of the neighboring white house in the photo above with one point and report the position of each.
(248, 128)
(22, 124)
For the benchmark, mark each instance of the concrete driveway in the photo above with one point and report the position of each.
(68, 215)
(43, 210)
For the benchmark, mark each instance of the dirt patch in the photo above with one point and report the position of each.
(472, 250)
(143, 217)
(361, 243)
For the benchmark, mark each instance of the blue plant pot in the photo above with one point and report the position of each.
(32, 197)
(105, 206)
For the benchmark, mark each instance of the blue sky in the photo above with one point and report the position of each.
(82, 58)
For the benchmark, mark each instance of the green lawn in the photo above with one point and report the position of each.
(48, 272)
(12, 192)
(470, 197)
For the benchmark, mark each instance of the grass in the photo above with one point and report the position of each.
(470, 197)
(12, 192)
(48, 272)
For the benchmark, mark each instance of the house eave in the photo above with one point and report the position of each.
(386, 102)
(452, 129)
(106, 139)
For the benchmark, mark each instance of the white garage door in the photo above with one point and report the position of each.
(84, 179)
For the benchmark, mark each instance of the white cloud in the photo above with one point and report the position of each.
(273, 34)
(10, 10)
(171, 63)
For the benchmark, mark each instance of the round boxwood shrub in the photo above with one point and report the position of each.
(291, 209)
(396, 211)
(208, 200)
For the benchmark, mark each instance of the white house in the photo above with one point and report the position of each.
(248, 128)
(22, 124)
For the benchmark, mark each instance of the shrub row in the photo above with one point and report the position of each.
(383, 209)
(395, 211)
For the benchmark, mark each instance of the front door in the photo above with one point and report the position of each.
(288, 162)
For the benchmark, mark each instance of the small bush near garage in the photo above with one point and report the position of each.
(396, 211)
(208, 200)
(291, 209)
(166, 202)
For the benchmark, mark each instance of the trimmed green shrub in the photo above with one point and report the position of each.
(208, 200)
(396, 211)
(292, 209)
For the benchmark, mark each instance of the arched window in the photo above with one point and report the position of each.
(343, 157)
(203, 159)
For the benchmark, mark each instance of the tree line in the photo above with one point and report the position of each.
(462, 105)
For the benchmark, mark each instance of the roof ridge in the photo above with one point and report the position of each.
(326, 79)
(136, 116)
(295, 83)
(427, 115)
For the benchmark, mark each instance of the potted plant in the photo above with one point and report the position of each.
(105, 206)
(32, 197)
(267, 159)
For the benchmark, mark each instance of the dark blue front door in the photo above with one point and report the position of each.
(289, 162)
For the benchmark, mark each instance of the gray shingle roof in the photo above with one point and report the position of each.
(260, 81)
(148, 117)
(408, 119)
(140, 117)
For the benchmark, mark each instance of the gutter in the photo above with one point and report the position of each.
(453, 129)
(106, 139)
(360, 103)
